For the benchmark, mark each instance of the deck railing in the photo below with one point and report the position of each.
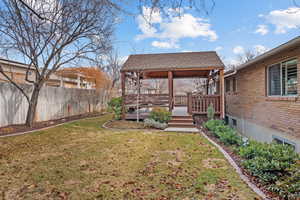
(180, 100)
(198, 104)
(147, 100)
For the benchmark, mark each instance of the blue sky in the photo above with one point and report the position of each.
(231, 28)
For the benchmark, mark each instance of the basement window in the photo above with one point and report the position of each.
(283, 79)
(234, 122)
(280, 140)
(226, 119)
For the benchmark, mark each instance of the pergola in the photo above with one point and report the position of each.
(171, 66)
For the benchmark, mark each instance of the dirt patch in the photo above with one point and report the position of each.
(214, 163)
(177, 154)
(19, 128)
(72, 182)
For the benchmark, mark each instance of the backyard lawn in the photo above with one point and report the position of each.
(81, 160)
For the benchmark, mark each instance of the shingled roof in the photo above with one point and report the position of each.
(173, 61)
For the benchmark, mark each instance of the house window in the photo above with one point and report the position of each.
(227, 85)
(282, 79)
(234, 84)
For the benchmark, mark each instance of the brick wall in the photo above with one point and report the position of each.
(251, 103)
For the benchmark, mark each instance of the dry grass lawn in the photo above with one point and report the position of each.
(81, 160)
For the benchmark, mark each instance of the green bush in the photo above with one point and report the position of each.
(151, 123)
(268, 162)
(230, 138)
(275, 165)
(115, 106)
(159, 114)
(213, 124)
(226, 134)
(288, 186)
(210, 112)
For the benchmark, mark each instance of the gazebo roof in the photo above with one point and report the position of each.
(173, 61)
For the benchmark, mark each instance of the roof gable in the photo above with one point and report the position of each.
(172, 61)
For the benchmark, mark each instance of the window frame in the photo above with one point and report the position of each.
(283, 141)
(228, 86)
(267, 72)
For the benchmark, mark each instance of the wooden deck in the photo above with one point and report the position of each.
(191, 104)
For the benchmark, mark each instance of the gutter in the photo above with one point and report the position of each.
(230, 74)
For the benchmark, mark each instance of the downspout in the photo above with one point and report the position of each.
(227, 75)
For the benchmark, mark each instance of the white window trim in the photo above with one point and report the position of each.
(292, 58)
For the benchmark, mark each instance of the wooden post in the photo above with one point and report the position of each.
(207, 85)
(170, 81)
(222, 100)
(189, 102)
(123, 80)
(138, 97)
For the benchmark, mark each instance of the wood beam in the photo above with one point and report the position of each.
(170, 86)
(123, 80)
(222, 96)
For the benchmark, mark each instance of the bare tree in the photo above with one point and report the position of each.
(206, 6)
(113, 67)
(58, 33)
(247, 56)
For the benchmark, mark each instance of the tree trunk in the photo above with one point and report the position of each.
(32, 106)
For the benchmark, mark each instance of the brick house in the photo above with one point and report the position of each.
(262, 96)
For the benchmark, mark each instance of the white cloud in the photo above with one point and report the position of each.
(186, 51)
(238, 50)
(187, 26)
(146, 21)
(164, 45)
(174, 27)
(219, 48)
(262, 29)
(260, 49)
(284, 19)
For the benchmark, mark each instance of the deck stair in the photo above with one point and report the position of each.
(181, 122)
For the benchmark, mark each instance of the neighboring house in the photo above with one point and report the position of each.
(72, 79)
(262, 96)
(68, 79)
(16, 71)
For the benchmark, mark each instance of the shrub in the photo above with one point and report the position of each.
(230, 138)
(210, 112)
(115, 106)
(213, 124)
(151, 123)
(268, 162)
(161, 115)
(226, 134)
(288, 186)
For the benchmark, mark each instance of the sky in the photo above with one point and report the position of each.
(232, 28)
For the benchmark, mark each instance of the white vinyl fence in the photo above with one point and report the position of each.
(53, 103)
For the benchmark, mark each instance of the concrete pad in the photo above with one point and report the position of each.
(175, 129)
(180, 111)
